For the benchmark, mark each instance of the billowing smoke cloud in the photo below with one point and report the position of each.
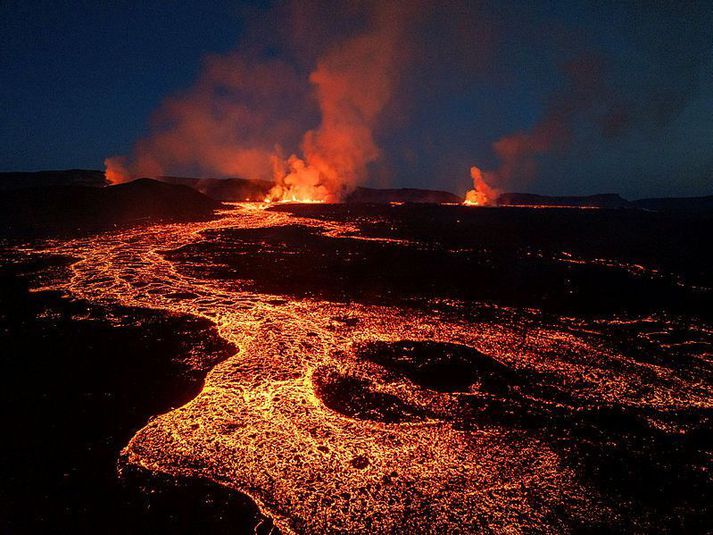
(623, 115)
(366, 89)
(482, 193)
(354, 82)
(518, 153)
(227, 124)
(243, 115)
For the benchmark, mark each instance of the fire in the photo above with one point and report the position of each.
(483, 194)
(115, 170)
(242, 111)
(299, 183)
(353, 84)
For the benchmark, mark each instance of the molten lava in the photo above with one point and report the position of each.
(482, 193)
(326, 437)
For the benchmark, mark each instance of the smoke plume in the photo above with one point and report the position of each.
(482, 193)
(227, 124)
(518, 153)
(244, 114)
(353, 84)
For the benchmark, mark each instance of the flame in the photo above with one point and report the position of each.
(115, 170)
(300, 183)
(353, 84)
(482, 193)
(260, 426)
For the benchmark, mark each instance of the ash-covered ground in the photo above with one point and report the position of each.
(363, 368)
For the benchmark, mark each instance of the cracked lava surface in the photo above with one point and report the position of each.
(365, 418)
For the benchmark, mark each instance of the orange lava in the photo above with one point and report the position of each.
(482, 193)
(259, 427)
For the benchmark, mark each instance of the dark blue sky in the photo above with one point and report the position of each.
(629, 84)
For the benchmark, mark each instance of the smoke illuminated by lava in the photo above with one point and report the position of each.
(353, 84)
(582, 94)
(226, 124)
(247, 112)
(482, 193)
(517, 154)
(242, 114)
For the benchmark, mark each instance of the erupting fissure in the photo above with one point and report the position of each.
(244, 136)
(353, 84)
(482, 194)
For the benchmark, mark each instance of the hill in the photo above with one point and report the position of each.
(225, 189)
(677, 204)
(70, 209)
(35, 179)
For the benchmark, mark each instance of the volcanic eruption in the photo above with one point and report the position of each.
(353, 84)
(242, 113)
(482, 193)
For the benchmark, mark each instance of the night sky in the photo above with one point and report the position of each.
(609, 96)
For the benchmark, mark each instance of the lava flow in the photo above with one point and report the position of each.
(327, 418)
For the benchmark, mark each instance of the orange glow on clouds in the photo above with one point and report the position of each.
(482, 193)
(242, 134)
(353, 84)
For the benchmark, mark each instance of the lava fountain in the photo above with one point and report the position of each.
(482, 193)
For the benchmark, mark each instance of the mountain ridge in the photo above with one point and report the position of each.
(242, 189)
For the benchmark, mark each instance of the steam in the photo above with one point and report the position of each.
(227, 124)
(518, 153)
(313, 122)
(353, 84)
(242, 114)
(482, 193)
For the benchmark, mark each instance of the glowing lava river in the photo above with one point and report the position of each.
(343, 416)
